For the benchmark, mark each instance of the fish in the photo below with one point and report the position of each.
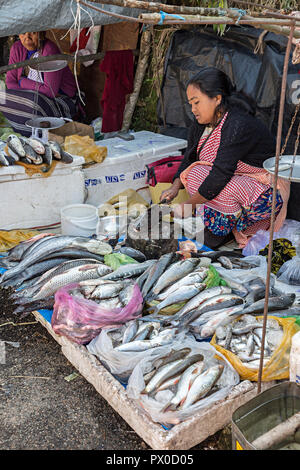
(169, 370)
(130, 331)
(109, 304)
(29, 307)
(16, 252)
(196, 301)
(143, 345)
(56, 149)
(181, 295)
(126, 294)
(190, 279)
(143, 332)
(159, 362)
(156, 272)
(75, 253)
(3, 159)
(31, 154)
(53, 244)
(274, 303)
(66, 157)
(128, 270)
(14, 144)
(107, 291)
(143, 277)
(37, 145)
(202, 385)
(176, 271)
(186, 380)
(217, 302)
(135, 254)
(168, 383)
(236, 287)
(88, 271)
(225, 261)
(48, 155)
(221, 318)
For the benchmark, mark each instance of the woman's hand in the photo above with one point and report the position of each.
(170, 193)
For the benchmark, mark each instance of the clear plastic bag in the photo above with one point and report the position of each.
(154, 405)
(289, 272)
(81, 320)
(262, 237)
(120, 363)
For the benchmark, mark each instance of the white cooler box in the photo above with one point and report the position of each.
(28, 202)
(124, 166)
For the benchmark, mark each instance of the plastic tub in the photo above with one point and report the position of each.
(79, 220)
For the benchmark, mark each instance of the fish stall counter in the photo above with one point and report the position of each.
(125, 164)
(35, 201)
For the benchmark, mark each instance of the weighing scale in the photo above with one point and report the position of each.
(40, 126)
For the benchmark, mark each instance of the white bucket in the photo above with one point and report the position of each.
(79, 220)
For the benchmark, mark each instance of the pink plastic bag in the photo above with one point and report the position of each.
(81, 320)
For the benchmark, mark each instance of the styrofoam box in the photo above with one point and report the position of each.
(124, 166)
(28, 202)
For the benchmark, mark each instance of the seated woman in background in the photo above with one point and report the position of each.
(31, 93)
(222, 169)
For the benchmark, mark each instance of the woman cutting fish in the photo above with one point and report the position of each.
(31, 93)
(223, 164)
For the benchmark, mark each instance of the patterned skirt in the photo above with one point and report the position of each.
(222, 224)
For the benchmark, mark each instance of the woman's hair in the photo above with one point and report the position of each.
(212, 82)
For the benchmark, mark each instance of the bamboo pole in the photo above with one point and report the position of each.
(49, 58)
(275, 180)
(138, 79)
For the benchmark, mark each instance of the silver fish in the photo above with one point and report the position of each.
(109, 304)
(56, 149)
(107, 291)
(88, 271)
(37, 145)
(48, 155)
(52, 244)
(143, 332)
(182, 294)
(274, 303)
(3, 159)
(220, 318)
(126, 294)
(173, 355)
(156, 272)
(169, 370)
(128, 270)
(143, 345)
(31, 153)
(202, 385)
(189, 279)
(14, 143)
(173, 273)
(66, 157)
(187, 379)
(130, 331)
(225, 262)
(196, 301)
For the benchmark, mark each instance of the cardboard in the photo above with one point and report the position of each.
(71, 128)
(156, 191)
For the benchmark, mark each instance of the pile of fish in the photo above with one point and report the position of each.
(32, 151)
(244, 338)
(38, 267)
(182, 371)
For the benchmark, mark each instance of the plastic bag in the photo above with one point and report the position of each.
(11, 238)
(85, 147)
(120, 363)
(153, 405)
(80, 320)
(262, 237)
(115, 260)
(278, 366)
(290, 272)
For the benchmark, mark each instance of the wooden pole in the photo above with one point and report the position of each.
(49, 58)
(138, 79)
(270, 249)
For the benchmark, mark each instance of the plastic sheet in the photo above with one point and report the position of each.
(153, 405)
(85, 147)
(11, 238)
(81, 320)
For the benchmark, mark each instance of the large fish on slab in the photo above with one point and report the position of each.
(73, 275)
(129, 270)
(55, 244)
(170, 370)
(202, 385)
(14, 144)
(175, 272)
(274, 303)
